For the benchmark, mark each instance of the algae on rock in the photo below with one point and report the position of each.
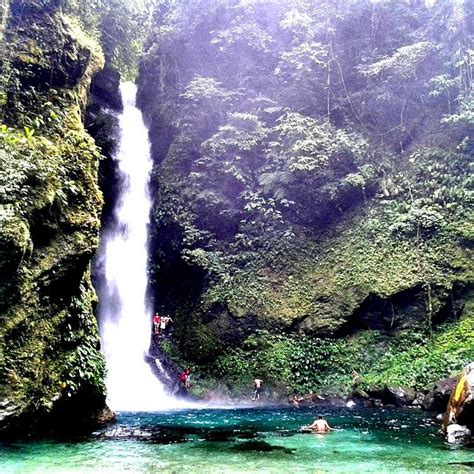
(51, 368)
(310, 179)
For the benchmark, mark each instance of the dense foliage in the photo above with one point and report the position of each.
(49, 215)
(118, 25)
(301, 364)
(312, 180)
(312, 167)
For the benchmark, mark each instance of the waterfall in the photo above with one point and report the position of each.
(125, 318)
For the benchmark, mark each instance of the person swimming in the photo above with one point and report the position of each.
(320, 425)
(296, 400)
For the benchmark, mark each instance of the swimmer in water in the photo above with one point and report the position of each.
(320, 425)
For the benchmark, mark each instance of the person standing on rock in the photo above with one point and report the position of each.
(156, 324)
(187, 378)
(164, 323)
(182, 379)
(296, 400)
(257, 383)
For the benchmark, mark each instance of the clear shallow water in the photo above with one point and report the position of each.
(247, 440)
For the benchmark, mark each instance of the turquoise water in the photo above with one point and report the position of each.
(247, 440)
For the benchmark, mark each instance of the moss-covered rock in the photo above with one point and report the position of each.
(102, 123)
(292, 208)
(51, 368)
(293, 363)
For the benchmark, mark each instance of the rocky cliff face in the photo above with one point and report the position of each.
(298, 193)
(51, 368)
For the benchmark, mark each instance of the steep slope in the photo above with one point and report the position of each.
(51, 368)
(311, 174)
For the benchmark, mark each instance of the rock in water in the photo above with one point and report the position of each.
(400, 396)
(397, 396)
(459, 417)
(458, 434)
(438, 397)
(418, 400)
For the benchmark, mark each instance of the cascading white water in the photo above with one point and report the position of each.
(125, 319)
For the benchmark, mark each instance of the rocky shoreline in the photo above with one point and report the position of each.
(451, 404)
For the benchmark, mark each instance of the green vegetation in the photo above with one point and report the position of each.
(415, 360)
(50, 206)
(301, 364)
(313, 211)
(312, 177)
(119, 26)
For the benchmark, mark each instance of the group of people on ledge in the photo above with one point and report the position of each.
(160, 324)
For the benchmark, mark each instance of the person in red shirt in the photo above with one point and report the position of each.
(156, 323)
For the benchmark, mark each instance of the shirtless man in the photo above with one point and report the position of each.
(164, 323)
(320, 425)
(258, 389)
